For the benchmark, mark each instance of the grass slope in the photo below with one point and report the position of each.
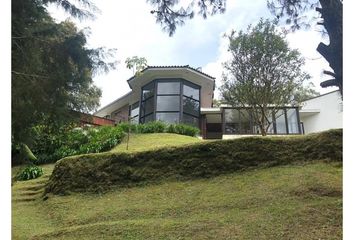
(284, 202)
(103, 171)
(144, 142)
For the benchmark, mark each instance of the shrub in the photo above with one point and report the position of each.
(30, 172)
(94, 172)
(160, 127)
(183, 129)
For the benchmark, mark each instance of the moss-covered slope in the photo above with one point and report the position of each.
(99, 172)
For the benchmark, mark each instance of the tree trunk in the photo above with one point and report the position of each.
(332, 14)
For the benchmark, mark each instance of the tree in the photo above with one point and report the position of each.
(137, 64)
(263, 74)
(52, 69)
(169, 15)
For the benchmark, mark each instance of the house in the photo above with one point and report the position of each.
(322, 113)
(182, 94)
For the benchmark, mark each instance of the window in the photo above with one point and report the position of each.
(147, 104)
(280, 121)
(168, 103)
(190, 120)
(191, 92)
(245, 122)
(173, 101)
(169, 117)
(191, 106)
(148, 91)
(293, 124)
(134, 113)
(232, 124)
(147, 118)
(168, 88)
(147, 107)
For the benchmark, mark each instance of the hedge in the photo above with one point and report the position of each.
(101, 172)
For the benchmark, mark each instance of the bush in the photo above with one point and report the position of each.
(183, 129)
(30, 172)
(160, 127)
(51, 146)
(94, 172)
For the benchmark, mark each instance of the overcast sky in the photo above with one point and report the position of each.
(132, 30)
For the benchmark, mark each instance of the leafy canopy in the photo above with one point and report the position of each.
(263, 74)
(52, 69)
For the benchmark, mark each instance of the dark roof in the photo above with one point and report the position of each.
(181, 66)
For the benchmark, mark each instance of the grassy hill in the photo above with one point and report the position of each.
(287, 202)
(298, 200)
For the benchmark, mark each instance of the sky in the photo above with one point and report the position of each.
(131, 29)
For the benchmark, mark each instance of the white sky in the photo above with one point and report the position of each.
(132, 30)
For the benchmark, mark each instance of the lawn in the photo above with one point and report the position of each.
(295, 201)
(288, 202)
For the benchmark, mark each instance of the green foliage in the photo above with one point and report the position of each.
(183, 129)
(97, 172)
(51, 145)
(263, 72)
(137, 64)
(160, 127)
(52, 69)
(92, 140)
(30, 172)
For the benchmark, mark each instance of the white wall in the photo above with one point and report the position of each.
(330, 113)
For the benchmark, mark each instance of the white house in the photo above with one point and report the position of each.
(322, 113)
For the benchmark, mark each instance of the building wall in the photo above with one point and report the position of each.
(121, 114)
(330, 113)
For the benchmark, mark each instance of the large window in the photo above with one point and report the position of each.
(280, 121)
(172, 101)
(293, 121)
(168, 103)
(191, 104)
(147, 105)
(134, 113)
(239, 121)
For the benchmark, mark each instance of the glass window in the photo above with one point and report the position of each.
(293, 124)
(168, 103)
(231, 128)
(168, 88)
(191, 106)
(232, 116)
(191, 91)
(134, 109)
(134, 120)
(147, 118)
(190, 120)
(245, 122)
(148, 90)
(280, 121)
(147, 106)
(168, 117)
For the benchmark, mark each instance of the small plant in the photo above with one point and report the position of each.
(30, 172)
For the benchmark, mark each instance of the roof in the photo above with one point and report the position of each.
(176, 66)
(321, 95)
(112, 103)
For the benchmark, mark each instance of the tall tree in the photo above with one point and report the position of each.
(169, 14)
(52, 69)
(263, 74)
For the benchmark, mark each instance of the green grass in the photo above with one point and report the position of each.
(143, 142)
(284, 202)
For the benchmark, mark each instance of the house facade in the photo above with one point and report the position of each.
(182, 94)
(322, 112)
